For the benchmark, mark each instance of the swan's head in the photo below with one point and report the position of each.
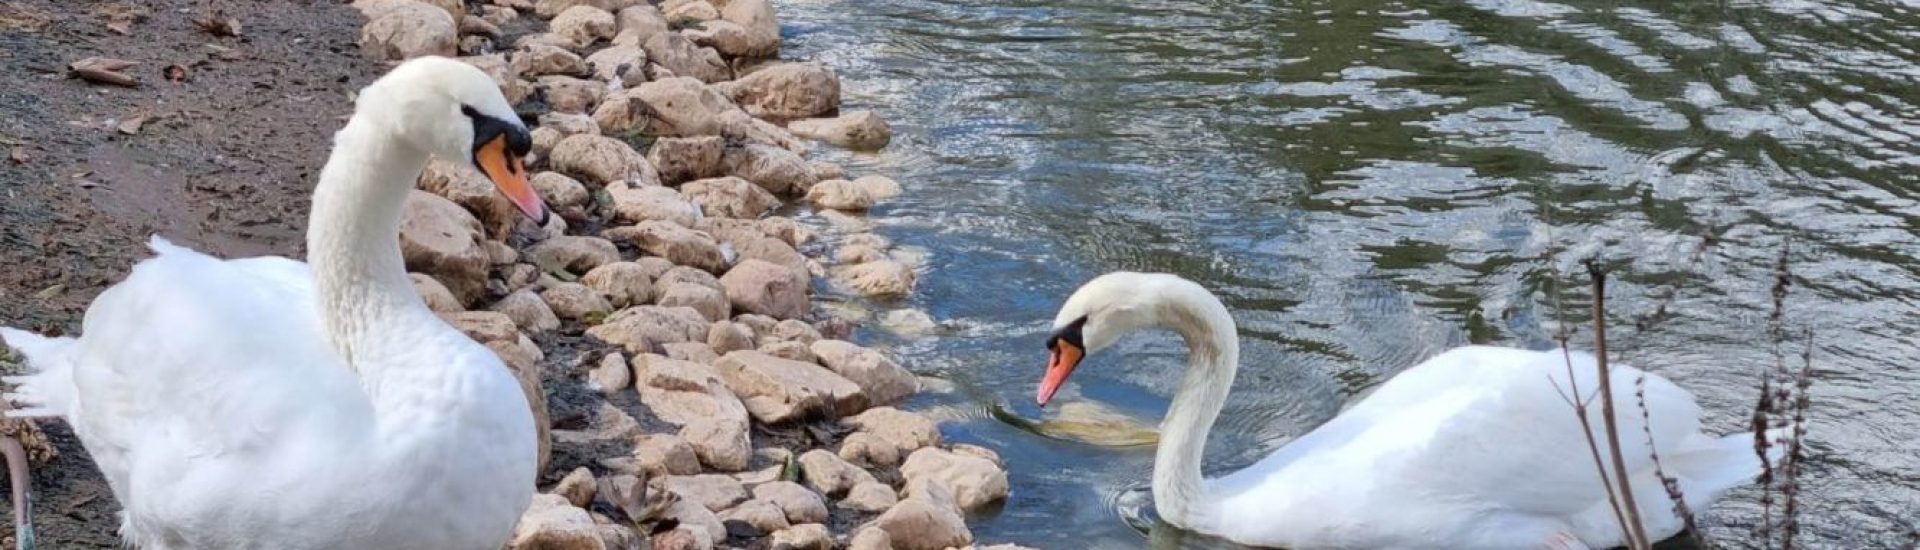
(455, 111)
(1111, 305)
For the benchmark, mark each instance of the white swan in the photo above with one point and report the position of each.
(264, 403)
(1474, 448)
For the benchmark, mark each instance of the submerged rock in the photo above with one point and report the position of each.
(857, 130)
(971, 481)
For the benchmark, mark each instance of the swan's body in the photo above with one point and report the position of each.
(266, 403)
(1474, 448)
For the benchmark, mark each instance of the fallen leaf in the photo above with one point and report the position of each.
(17, 17)
(105, 70)
(19, 155)
(132, 124)
(121, 16)
(50, 292)
(175, 73)
(218, 24)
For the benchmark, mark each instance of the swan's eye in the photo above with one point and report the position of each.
(1069, 334)
(486, 129)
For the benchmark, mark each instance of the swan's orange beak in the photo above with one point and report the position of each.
(510, 175)
(1060, 362)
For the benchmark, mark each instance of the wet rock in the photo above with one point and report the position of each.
(760, 287)
(883, 380)
(772, 168)
(676, 243)
(622, 283)
(728, 336)
(908, 322)
(870, 497)
(771, 250)
(638, 24)
(436, 295)
(407, 30)
(640, 328)
(827, 474)
(559, 191)
(566, 94)
(971, 481)
(729, 197)
(810, 536)
(859, 254)
(878, 187)
(876, 279)
(634, 202)
(577, 487)
(839, 195)
(871, 538)
(785, 229)
(573, 254)
(536, 59)
(786, 91)
(709, 302)
(798, 503)
(468, 188)
(857, 130)
(665, 454)
(777, 390)
(759, 515)
(527, 310)
(686, 13)
(551, 523)
(827, 170)
(612, 375)
(926, 522)
(601, 160)
(714, 491)
(793, 330)
(440, 239)
(747, 29)
(721, 442)
(684, 159)
(893, 433)
(583, 25)
(503, 74)
(625, 64)
(680, 55)
(978, 451)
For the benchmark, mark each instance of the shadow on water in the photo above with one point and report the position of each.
(1369, 182)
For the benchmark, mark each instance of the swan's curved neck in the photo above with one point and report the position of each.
(360, 278)
(1213, 357)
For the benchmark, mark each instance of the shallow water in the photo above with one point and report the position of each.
(1367, 183)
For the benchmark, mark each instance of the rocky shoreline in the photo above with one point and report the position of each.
(689, 391)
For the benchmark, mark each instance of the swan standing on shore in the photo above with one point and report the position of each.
(1474, 448)
(267, 403)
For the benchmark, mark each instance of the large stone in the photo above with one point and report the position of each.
(709, 302)
(583, 24)
(714, 491)
(750, 244)
(697, 352)
(553, 8)
(772, 168)
(686, 158)
(467, 187)
(640, 328)
(809, 536)
(436, 295)
(439, 238)
(527, 310)
(683, 274)
(638, 24)
(688, 13)
(573, 254)
(570, 95)
(871, 538)
(552, 523)
(827, 474)
(503, 74)
(786, 91)
(777, 390)
(676, 243)
(891, 433)
(883, 278)
(791, 351)
(612, 375)
(622, 283)
(728, 336)
(760, 517)
(857, 130)
(691, 514)
(878, 187)
(559, 191)
(601, 160)
(665, 454)
(634, 202)
(764, 288)
(577, 487)
(785, 229)
(576, 302)
(729, 197)
(757, 34)
(407, 30)
(883, 380)
(926, 522)
(684, 58)
(544, 59)
(680, 106)
(798, 503)
(870, 497)
(839, 195)
(720, 441)
(625, 64)
(971, 481)
(794, 330)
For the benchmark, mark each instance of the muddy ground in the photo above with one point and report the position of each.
(223, 162)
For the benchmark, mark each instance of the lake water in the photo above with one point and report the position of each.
(1367, 183)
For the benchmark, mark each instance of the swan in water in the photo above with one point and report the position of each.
(268, 403)
(1474, 448)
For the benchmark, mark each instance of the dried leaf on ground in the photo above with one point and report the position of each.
(105, 70)
(121, 16)
(218, 24)
(132, 124)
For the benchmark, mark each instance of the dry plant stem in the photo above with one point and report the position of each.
(1671, 485)
(1636, 532)
(22, 499)
(1579, 405)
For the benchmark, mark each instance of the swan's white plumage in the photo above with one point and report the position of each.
(1474, 448)
(224, 416)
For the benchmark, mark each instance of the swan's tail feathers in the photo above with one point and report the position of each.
(1724, 463)
(48, 388)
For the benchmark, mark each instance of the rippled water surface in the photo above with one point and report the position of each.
(1367, 183)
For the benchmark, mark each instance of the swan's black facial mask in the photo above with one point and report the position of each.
(1064, 351)
(498, 147)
